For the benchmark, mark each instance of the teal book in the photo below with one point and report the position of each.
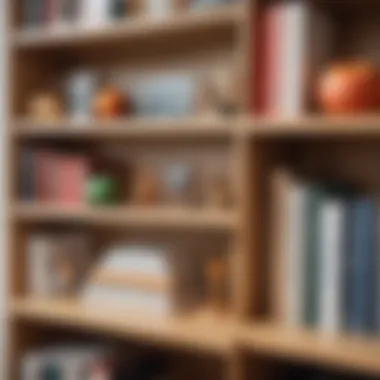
(314, 198)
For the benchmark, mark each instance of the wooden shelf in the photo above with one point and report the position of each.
(139, 128)
(163, 217)
(315, 126)
(341, 352)
(132, 29)
(208, 334)
(187, 332)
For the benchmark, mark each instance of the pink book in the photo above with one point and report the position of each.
(46, 175)
(274, 24)
(73, 175)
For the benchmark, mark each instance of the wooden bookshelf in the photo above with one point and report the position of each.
(254, 144)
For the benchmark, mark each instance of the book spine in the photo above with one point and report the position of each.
(73, 175)
(274, 25)
(260, 61)
(295, 252)
(361, 313)
(33, 13)
(291, 86)
(27, 175)
(311, 268)
(331, 249)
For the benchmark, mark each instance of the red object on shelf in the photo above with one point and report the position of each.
(348, 88)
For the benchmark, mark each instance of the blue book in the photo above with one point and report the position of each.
(361, 267)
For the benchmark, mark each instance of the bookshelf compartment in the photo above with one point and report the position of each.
(159, 275)
(129, 356)
(313, 276)
(61, 179)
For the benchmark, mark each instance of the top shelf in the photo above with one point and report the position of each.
(131, 29)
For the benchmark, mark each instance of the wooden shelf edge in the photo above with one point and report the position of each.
(205, 335)
(356, 354)
(130, 128)
(131, 216)
(133, 28)
(314, 126)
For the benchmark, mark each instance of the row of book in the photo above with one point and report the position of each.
(326, 255)
(98, 13)
(90, 362)
(50, 175)
(293, 41)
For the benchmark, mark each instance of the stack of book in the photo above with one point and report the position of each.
(288, 37)
(132, 277)
(65, 13)
(326, 255)
(53, 176)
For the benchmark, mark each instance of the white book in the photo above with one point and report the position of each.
(39, 256)
(331, 235)
(291, 94)
(94, 13)
(295, 253)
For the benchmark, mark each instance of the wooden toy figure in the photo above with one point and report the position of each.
(145, 188)
(216, 276)
(45, 107)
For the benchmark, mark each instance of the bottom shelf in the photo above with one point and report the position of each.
(197, 332)
(210, 334)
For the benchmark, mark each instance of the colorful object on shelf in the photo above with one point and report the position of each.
(110, 103)
(45, 107)
(101, 190)
(351, 87)
(218, 192)
(145, 189)
(216, 275)
(169, 95)
(80, 90)
(178, 183)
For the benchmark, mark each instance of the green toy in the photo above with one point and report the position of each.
(101, 190)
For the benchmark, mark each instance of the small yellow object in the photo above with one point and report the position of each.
(45, 107)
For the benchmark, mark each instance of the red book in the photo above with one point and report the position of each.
(259, 68)
(275, 59)
(47, 165)
(52, 11)
(74, 171)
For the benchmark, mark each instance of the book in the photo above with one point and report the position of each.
(332, 235)
(73, 173)
(287, 254)
(292, 43)
(33, 13)
(314, 198)
(47, 170)
(361, 272)
(27, 183)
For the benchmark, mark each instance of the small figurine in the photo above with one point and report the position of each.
(226, 87)
(145, 189)
(45, 107)
(80, 90)
(216, 275)
(218, 192)
(110, 103)
(178, 180)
